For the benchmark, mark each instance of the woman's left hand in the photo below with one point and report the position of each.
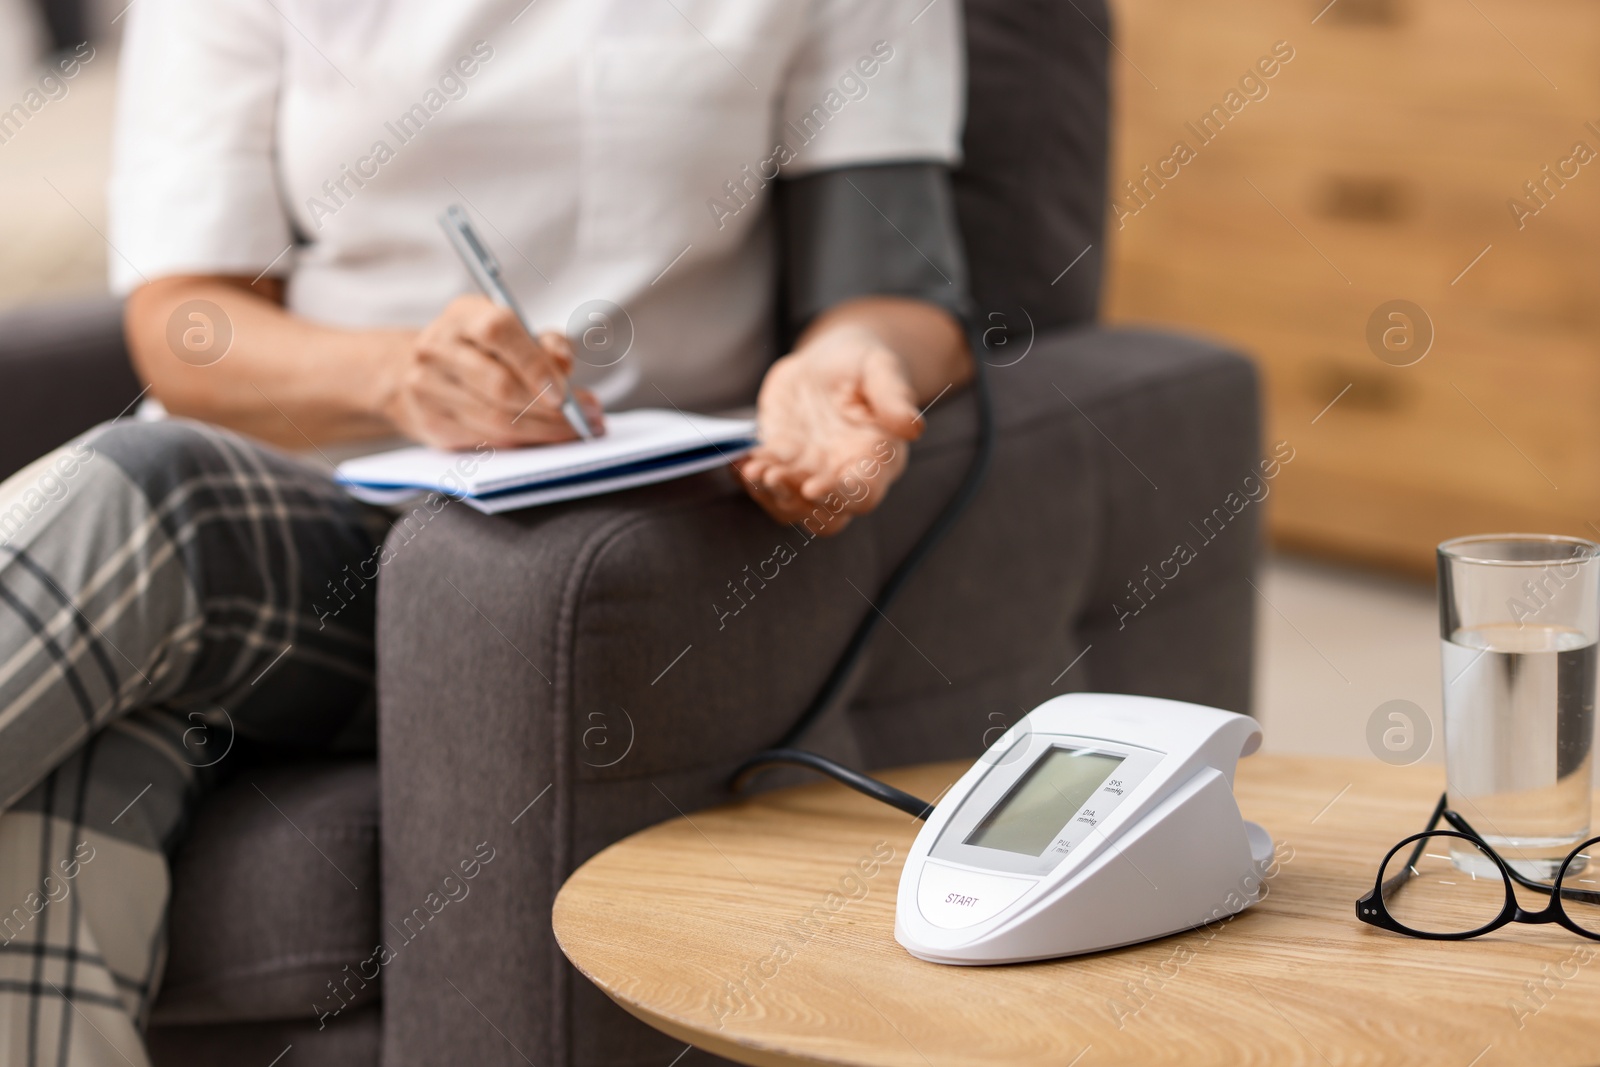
(835, 416)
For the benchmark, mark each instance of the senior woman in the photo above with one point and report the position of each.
(756, 189)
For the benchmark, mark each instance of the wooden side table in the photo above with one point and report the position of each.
(763, 931)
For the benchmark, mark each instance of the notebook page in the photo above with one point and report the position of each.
(631, 437)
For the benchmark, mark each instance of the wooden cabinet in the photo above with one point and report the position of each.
(1379, 163)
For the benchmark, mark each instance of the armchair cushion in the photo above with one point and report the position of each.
(274, 893)
(1031, 194)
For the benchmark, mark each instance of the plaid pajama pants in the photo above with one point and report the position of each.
(160, 587)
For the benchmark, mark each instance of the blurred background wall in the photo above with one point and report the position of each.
(53, 168)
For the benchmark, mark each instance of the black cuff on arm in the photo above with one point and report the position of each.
(884, 230)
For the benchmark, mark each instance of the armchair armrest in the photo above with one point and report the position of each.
(65, 368)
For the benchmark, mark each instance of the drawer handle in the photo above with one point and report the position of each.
(1372, 391)
(1381, 13)
(1357, 198)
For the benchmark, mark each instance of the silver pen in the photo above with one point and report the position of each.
(485, 270)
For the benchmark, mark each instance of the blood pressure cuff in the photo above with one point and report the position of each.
(883, 230)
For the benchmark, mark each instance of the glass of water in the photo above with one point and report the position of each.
(1519, 617)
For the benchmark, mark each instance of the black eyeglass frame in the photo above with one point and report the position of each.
(1372, 910)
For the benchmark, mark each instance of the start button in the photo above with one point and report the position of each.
(953, 898)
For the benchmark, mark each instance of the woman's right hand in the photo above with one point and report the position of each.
(473, 376)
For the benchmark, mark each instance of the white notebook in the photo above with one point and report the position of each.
(639, 448)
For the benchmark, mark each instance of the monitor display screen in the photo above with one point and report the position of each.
(1029, 817)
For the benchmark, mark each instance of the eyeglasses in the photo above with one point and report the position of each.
(1448, 885)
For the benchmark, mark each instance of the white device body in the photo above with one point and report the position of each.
(1157, 847)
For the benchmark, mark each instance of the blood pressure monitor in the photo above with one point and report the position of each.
(1097, 821)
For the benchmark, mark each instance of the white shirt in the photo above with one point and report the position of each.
(610, 151)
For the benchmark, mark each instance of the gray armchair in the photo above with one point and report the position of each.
(552, 680)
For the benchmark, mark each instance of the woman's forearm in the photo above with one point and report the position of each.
(928, 340)
(280, 378)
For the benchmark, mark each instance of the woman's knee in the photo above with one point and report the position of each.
(157, 457)
(29, 496)
(120, 468)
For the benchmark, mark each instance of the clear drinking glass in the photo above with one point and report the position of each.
(1519, 617)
